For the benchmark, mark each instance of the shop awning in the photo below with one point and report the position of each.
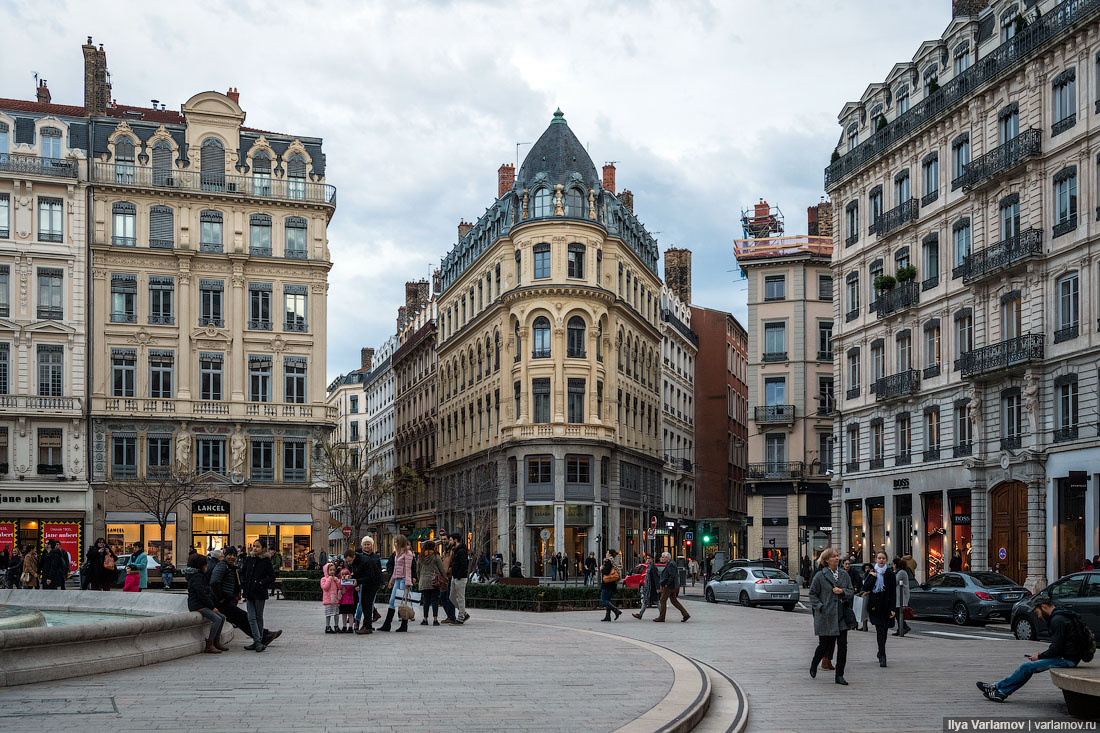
(278, 518)
(136, 518)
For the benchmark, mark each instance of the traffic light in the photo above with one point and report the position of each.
(706, 539)
(689, 543)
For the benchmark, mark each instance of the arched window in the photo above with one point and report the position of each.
(540, 343)
(212, 164)
(124, 160)
(479, 361)
(296, 176)
(519, 345)
(575, 338)
(544, 202)
(162, 164)
(496, 352)
(261, 174)
(599, 344)
(574, 203)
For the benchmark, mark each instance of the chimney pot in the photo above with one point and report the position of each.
(366, 358)
(463, 229)
(234, 94)
(609, 177)
(43, 93)
(506, 179)
(627, 197)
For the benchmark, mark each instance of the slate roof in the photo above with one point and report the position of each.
(555, 157)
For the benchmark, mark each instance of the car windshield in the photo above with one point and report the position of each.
(770, 573)
(987, 580)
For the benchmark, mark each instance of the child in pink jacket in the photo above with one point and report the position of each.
(330, 597)
(347, 600)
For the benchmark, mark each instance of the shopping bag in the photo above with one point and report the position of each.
(857, 606)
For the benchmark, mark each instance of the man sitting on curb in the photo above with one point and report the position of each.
(1066, 650)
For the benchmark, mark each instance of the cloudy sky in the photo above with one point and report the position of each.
(705, 106)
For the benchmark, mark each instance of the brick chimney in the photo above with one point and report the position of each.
(402, 319)
(967, 7)
(678, 272)
(437, 282)
(819, 220)
(422, 294)
(43, 93)
(609, 177)
(628, 200)
(366, 358)
(234, 94)
(97, 89)
(463, 228)
(506, 178)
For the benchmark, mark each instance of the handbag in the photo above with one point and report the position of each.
(439, 581)
(849, 617)
(612, 577)
(108, 562)
(907, 613)
(26, 578)
(405, 611)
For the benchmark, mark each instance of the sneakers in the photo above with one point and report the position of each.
(435, 622)
(636, 615)
(465, 617)
(991, 692)
(251, 647)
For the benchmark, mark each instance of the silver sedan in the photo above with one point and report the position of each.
(754, 586)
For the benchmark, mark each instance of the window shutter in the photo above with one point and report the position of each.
(124, 149)
(162, 156)
(161, 227)
(261, 163)
(296, 166)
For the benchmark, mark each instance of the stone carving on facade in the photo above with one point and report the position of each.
(183, 448)
(592, 204)
(559, 209)
(1031, 397)
(237, 449)
(526, 201)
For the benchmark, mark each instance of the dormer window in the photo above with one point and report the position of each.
(574, 203)
(124, 160)
(261, 174)
(853, 135)
(51, 142)
(544, 203)
(962, 57)
(902, 97)
(1008, 22)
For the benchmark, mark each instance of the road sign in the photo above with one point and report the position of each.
(653, 521)
(346, 531)
(689, 536)
(545, 534)
(652, 533)
(1002, 553)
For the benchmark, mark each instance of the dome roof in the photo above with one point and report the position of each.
(556, 157)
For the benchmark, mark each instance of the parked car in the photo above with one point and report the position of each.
(741, 563)
(966, 597)
(1079, 592)
(754, 586)
(637, 576)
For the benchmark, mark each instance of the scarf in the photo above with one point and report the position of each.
(880, 579)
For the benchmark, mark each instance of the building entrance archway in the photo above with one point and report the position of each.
(1008, 529)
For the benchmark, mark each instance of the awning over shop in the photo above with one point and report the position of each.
(136, 518)
(278, 518)
(419, 535)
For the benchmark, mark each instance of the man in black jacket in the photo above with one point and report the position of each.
(54, 568)
(366, 570)
(1065, 650)
(460, 571)
(225, 584)
(590, 565)
(670, 588)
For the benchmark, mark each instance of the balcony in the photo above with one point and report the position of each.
(1067, 334)
(932, 454)
(1065, 226)
(774, 413)
(50, 469)
(851, 466)
(903, 459)
(1011, 442)
(774, 356)
(851, 315)
(931, 372)
(894, 301)
(35, 166)
(1006, 58)
(962, 450)
(824, 355)
(897, 385)
(877, 463)
(177, 408)
(285, 189)
(259, 324)
(1063, 124)
(21, 403)
(929, 197)
(1001, 256)
(1019, 351)
(895, 218)
(1001, 159)
(776, 471)
(930, 282)
(1069, 432)
(852, 393)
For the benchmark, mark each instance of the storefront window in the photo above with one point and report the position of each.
(960, 530)
(292, 541)
(903, 525)
(121, 537)
(855, 530)
(934, 531)
(877, 509)
(1071, 523)
(209, 532)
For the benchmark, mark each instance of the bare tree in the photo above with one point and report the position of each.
(160, 493)
(469, 502)
(357, 485)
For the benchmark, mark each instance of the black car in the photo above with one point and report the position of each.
(966, 597)
(1079, 592)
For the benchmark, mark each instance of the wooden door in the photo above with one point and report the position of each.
(1008, 528)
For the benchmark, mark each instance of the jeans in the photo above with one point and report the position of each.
(167, 578)
(367, 596)
(216, 621)
(605, 601)
(445, 599)
(430, 599)
(825, 646)
(1023, 673)
(256, 618)
(458, 597)
(397, 592)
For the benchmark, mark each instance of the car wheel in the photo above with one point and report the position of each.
(960, 613)
(708, 594)
(1024, 629)
(744, 599)
(788, 606)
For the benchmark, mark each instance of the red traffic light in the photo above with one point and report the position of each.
(689, 543)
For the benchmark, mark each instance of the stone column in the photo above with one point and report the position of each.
(1036, 532)
(559, 527)
(597, 528)
(184, 321)
(559, 390)
(521, 537)
(236, 307)
(979, 524)
(524, 416)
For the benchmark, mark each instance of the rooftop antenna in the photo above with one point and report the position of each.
(35, 79)
(517, 152)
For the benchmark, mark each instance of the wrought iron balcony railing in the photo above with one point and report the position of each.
(1063, 227)
(1067, 433)
(289, 189)
(824, 356)
(1007, 57)
(774, 413)
(775, 356)
(903, 459)
(1067, 334)
(1023, 147)
(877, 463)
(1001, 256)
(932, 454)
(776, 470)
(893, 301)
(961, 450)
(1005, 355)
(901, 214)
(35, 166)
(1011, 442)
(897, 385)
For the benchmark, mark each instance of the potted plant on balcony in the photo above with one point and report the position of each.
(933, 85)
(835, 156)
(880, 122)
(884, 283)
(907, 273)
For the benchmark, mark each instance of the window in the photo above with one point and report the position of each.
(259, 235)
(826, 400)
(540, 341)
(3, 138)
(1065, 104)
(902, 99)
(775, 391)
(930, 177)
(354, 431)
(259, 306)
(210, 303)
(1010, 217)
(878, 444)
(1065, 200)
(51, 363)
(576, 400)
(960, 157)
(295, 232)
(161, 292)
(542, 261)
(825, 341)
(50, 226)
(962, 58)
(263, 459)
(961, 235)
(544, 203)
(825, 451)
(932, 345)
(851, 218)
(775, 287)
(878, 360)
(1008, 123)
(964, 333)
(540, 470)
(575, 337)
(1011, 315)
(540, 393)
(873, 272)
(294, 377)
(963, 429)
(210, 455)
(210, 376)
(162, 228)
(49, 294)
(1011, 418)
(903, 428)
(259, 378)
(261, 174)
(5, 364)
(853, 136)
(123, 372)
(1008, 22)
(578, 469)
(901, 188)
(775, 452)
(875, 201)
(517, 392)
(519, 267)
(853, 447)
(931, 250)
(852, 295)
(123, 299)
(49, 451)
(5, 212)
(824, 287)
(853, 373)
(158, 454)
(576, 260)
(123, 455)
(162, 164)
(1066, 417)
(905, 351)
(296, 176)
(294, 461)
(354, 404)
(931, 434)
(161, 364)
(124, 160)
(125, 225)
(210, 231)
(212, 165)
(775, 341)
(1068, 307)
(294, 308)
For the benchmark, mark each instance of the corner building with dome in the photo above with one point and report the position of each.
(549, 348)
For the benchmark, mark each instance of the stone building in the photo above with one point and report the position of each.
(378, 393)
(209, 264)
(965, 359)
(679, 346)
(346, 402)
(548, 333)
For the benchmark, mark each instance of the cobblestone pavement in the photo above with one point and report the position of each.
(507, 671)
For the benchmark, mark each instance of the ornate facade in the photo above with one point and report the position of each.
(415, 416)
(346, 400)
(679, 347)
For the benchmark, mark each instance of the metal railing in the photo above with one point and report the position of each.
(774, 413)
(776, 470)
(893, 301)
(35, 166)
(903, 213)
(290, 189)
(1006, 354)
(1067, 334)
(897, 385)
(977, 265)
(1067, 433)
(1023, 147)
(1006, 57)
(770, 356)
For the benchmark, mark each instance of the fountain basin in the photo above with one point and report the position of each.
(16, 617)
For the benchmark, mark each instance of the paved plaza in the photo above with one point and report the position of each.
(508, 671)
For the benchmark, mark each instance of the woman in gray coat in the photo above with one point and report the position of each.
(901, 570)
(830, 593)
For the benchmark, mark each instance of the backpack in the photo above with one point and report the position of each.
(1085, 637)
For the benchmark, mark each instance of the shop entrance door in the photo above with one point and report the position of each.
(1008, 529)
